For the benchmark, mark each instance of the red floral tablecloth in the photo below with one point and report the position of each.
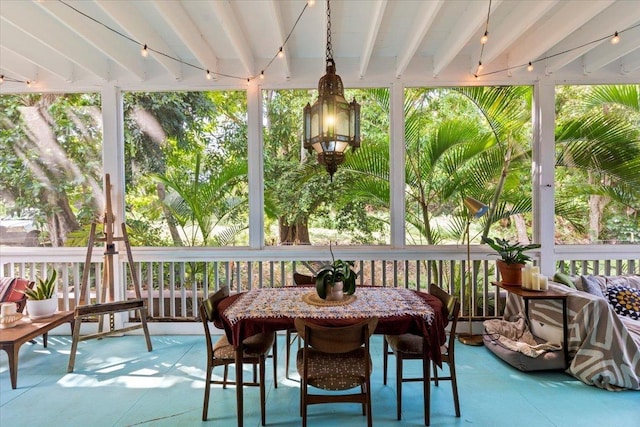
(398, 310)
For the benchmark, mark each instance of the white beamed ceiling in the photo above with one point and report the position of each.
(375, 42)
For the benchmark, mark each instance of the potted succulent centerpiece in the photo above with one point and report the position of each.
(42, 300)
(512, 258)
(335, 280)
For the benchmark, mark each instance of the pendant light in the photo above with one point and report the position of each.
(331, 124)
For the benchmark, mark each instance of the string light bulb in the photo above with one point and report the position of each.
(616, 38)
(29, 83)
(484, 38)
(209, 76)
(1, 78)
(262, 75)
(480, 66)
(530, 67)
(310, 3)
(145, 51)
(281, 53)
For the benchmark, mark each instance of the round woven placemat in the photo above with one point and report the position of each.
(312, 298)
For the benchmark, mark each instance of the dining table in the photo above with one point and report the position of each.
(268, 310)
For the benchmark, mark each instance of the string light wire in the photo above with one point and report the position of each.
(544, 58)
(147, 48)
(614, 38)
(483, 41)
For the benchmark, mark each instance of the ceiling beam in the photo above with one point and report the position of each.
(186, 30)
(109, 43)
(32, 50)
(372, 35)
(229, 24)
(515, 24)
(129, 17)
(36, 22)
(423, 19)
(618, 16)
(51, 63)
(606, 53)
(567, 18)
(276, 16)
(631, 63)
(470, 21)
(16, 67)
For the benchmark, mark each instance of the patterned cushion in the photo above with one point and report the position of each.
(11, 289)
(253, 346)
(634, 281)
(591, 284)
(334, 371)
(405, 343)
(625, 301)
(6, 284)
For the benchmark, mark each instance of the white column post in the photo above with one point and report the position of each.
(543, 173)
(113, 163)
(256, 166)
(397, 165)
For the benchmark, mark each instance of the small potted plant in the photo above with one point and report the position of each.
(512, 258)
(335, 280)
(42, 301)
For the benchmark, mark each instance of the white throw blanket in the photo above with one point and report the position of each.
(517, 337)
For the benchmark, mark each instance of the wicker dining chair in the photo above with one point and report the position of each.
(222, 353)
(291, 336)
(336, 359)
(410, 346)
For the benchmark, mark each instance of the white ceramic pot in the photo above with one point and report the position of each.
(39, 309)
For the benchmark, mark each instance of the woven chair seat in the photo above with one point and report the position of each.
(222, 353)
(253, 346)
(410, 346)
(334, 371)
(406, 343)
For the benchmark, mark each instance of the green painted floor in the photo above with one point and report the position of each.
(118, 383)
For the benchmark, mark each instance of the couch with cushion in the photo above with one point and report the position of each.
(604, 327)
(12, 290)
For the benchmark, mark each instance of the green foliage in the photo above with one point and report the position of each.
(510, 253)
(204, 205)
(50, 159)
(45, 288)
(597, 162)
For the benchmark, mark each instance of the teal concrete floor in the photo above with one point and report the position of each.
(118, 383)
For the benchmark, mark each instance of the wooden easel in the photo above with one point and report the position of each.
(107, 305)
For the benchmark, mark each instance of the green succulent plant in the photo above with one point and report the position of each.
(337, 271)
(44, 289)
(510, 253)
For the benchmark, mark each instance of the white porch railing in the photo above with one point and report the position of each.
(175, 280)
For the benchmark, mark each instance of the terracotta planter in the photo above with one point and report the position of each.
(510, 274)
(335, 292)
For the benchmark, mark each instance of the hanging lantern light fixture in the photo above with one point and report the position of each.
(331, 124)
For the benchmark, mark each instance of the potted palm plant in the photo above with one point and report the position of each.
(512, 258)
(42, 301)
(335, 280)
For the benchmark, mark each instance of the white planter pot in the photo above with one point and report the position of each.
(39, 309)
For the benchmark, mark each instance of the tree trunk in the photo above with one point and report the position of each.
(596, 208)
(293, 234)
(62, 221)
(171, 222)
(521, 228)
